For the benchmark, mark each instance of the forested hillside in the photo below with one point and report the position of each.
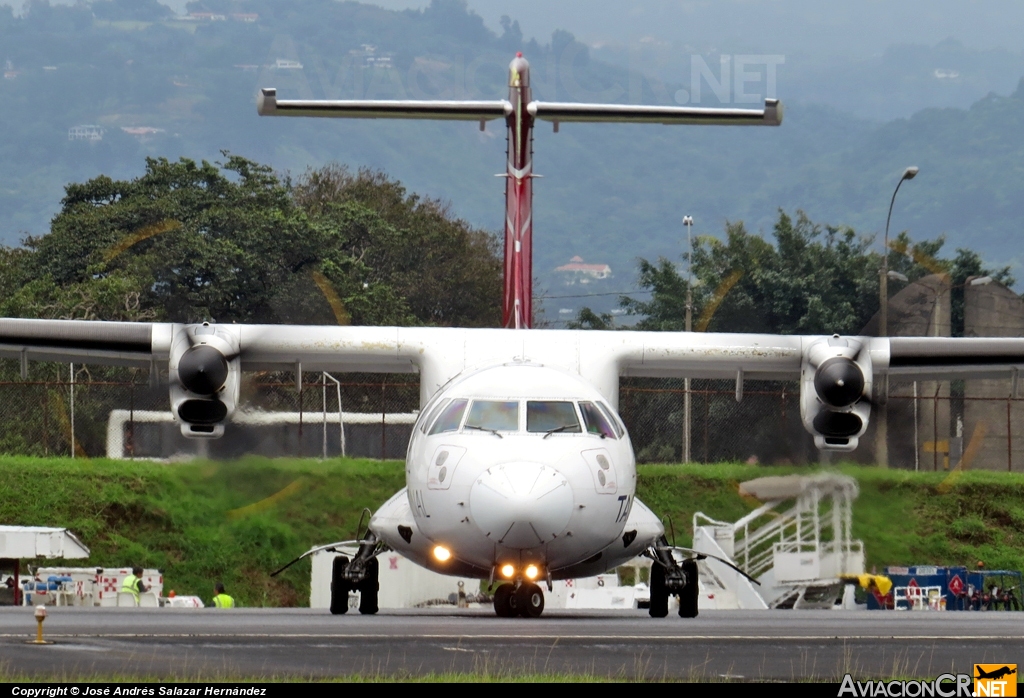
(159, 85)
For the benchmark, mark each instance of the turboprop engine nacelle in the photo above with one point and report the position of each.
(835, 380)
(205, 374)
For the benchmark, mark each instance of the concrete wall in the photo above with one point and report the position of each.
(992, 310)
(921, 309)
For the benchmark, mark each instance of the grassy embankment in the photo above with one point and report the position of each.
(239, 520)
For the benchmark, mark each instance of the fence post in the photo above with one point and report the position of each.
(72, 368)
(46, 419)
(686, 420)
(383, 420)
(707, 418)
(917, 436)
(131, 420)
(935, 428)
(1009, 439)
(341, 420)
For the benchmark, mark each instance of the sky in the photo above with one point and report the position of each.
(854, 28)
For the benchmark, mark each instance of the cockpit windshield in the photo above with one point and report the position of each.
(595, 420)
(551, 416)
(450, 418)
(494, 415)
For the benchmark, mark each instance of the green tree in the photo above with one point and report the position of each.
(447, 272)
(231, 242)
(814, 279)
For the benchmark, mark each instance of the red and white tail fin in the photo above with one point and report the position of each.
(520, 112)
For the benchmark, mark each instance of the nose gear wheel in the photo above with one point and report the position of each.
(530, 600)
(505, 601)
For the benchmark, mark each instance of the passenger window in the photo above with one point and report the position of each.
(595, 420)
(494, 415)
(433, 414)
(613, 418)
(542, 417)
(450, 417)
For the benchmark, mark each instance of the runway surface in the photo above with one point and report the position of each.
(744, 645)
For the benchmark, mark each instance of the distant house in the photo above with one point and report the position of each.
(370, 57)
(245, 17)
(285, 64)
(579, 272)
(141, 132)
(207, 17)
(85, 132)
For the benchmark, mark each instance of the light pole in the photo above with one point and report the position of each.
(688, 222)
(883, 294)
(882, 433)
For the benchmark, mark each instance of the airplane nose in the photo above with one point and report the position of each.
(521, 505)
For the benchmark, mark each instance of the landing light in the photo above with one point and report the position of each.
(507, 571)
(442, 553)
(532, 572)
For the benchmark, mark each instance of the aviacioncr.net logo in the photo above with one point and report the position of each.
(945, 686)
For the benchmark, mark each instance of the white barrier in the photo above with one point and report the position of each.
(118, 418)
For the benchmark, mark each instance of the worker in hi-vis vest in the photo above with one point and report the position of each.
(220, 599)
(133, 585)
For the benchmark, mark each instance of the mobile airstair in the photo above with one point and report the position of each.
(797, 543)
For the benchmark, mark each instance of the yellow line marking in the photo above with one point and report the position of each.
(144, 233)
(720, 293)
(337, 306)
(270, 501)
(970, 453)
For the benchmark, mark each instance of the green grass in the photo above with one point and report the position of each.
(903, 517)
(184, 519)
(204, 521)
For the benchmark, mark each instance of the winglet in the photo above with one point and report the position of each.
(773, 112)
(266, 103)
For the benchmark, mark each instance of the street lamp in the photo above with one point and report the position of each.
(882, 432)
(688, 222)
(908, 173)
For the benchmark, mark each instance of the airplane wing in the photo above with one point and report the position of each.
(938, 358)
(566, 112)
(560, 112)
(110, 343)
(268, 105)
(780, 357)
(258, 347)
(204, 362)
(394, 349)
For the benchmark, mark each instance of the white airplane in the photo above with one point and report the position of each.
(519, 469)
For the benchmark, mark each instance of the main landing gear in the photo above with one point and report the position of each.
(670, 577)
(524, 599)
(360, 574)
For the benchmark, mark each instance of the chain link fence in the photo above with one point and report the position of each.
(118, 413)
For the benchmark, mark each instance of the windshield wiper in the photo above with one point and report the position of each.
(559, 429)
(473, 426)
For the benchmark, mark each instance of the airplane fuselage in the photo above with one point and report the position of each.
(514, 466)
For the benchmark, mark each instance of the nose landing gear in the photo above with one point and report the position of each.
(525, 599)
(360, 574)
(670, 577)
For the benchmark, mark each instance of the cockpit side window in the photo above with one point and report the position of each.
(494, 415)
(441, 404)
(542, 417)
(613, 418)
(595, 420)
(450, 417)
